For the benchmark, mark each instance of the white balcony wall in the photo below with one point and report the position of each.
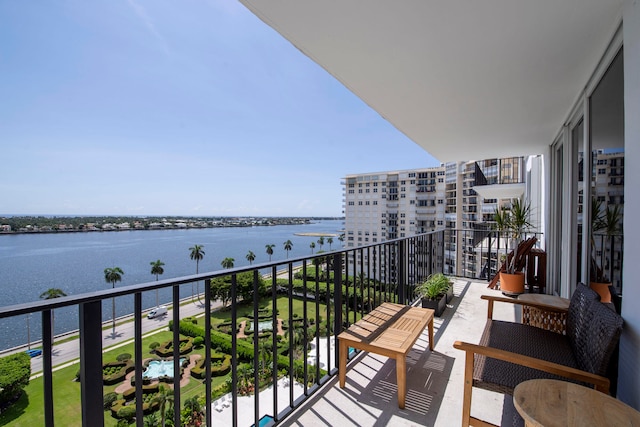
(629, 372)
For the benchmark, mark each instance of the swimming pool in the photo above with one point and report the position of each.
(265, 420)
(160, 368)
(265, 326)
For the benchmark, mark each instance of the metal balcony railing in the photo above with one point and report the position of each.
(348, 283)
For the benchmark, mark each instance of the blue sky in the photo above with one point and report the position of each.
(175, 108)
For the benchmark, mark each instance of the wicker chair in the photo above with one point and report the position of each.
(510, 353)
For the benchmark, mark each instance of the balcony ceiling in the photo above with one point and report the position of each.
(463, 79)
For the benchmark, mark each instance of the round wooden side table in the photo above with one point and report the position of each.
(551, 403)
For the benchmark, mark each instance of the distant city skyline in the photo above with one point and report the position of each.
(140, 108)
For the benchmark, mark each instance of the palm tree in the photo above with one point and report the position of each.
(197, 253)
(251, 257)
(330, 242)
(270, 250)
(288, 245)
(156, 268)
(151, 420)
(312, 246)
(113, 275)
(50, 294)
(321, 242)
(165, 399)
(227, 262)
(341, 238)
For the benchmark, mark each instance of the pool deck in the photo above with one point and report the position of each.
(222, 407)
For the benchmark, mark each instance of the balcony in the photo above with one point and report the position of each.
(307, 392)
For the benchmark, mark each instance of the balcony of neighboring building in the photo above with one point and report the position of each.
(500, 179)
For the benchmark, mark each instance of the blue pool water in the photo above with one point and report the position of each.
(160, 368)
(267, 325)
(265, 420)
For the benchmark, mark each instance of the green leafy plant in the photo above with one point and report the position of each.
(434, 287)
(513, 223)
(606, 222)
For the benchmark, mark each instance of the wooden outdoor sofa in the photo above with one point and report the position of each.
(510, 353)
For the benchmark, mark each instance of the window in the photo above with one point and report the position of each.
(351, 203)
(375, 202)
(360, 203)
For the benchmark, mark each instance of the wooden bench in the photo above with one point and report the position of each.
(390, 330)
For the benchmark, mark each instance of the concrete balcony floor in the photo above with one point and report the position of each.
(434, 379)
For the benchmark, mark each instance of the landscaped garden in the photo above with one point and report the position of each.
(118, 390)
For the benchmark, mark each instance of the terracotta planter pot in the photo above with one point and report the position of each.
(512, 284)
(603, 290)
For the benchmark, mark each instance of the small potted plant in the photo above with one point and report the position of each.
(433, 292)
(605, 222)
(513, 222)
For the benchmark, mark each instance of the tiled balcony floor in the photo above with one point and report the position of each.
(434, 380)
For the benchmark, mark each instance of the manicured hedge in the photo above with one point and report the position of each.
(166, 348)
(15, 371)
(217, 369)
(244, 348)
(114, 372)
(125, 408)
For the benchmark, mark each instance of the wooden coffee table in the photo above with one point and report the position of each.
(551, 403)
(389, 330)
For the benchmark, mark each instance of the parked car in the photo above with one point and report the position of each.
(157, 312)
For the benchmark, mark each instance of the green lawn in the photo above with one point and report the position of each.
(28, 411)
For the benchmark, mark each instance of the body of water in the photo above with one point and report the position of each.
(75, 262)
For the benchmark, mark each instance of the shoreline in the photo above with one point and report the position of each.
(317, 234)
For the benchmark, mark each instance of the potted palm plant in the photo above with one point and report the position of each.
(433, 292)
(513, 223)
(605, 222)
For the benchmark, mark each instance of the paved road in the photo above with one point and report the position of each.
(69, 351)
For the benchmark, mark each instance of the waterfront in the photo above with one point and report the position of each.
(74, 262)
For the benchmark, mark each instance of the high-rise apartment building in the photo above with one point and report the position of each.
(388, 205)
